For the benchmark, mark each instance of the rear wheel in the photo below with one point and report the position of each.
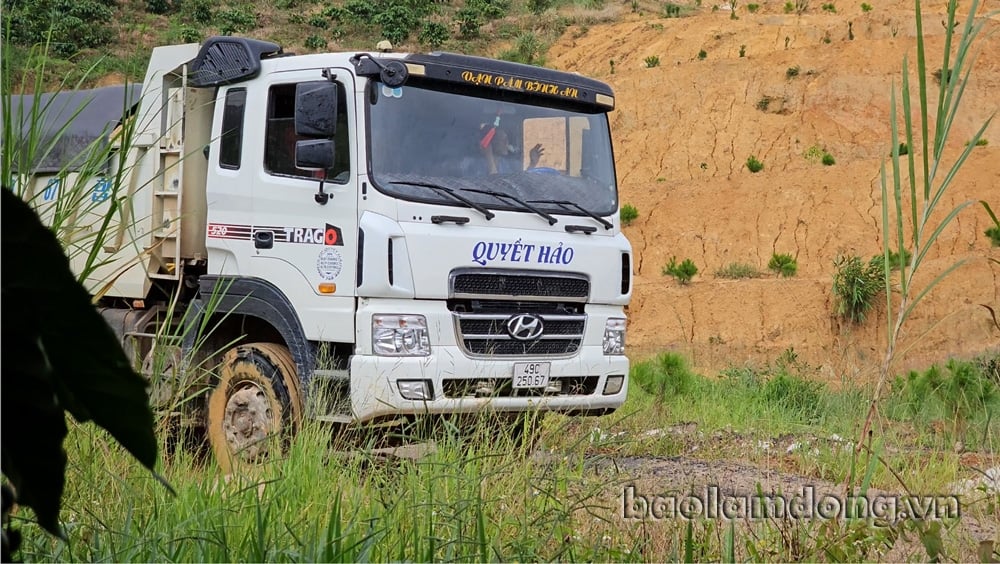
(255, 405)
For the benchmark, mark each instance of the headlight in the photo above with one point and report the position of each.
(400, 335)
(614, 337)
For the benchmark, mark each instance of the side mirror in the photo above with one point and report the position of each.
(314, 154)
(316, 109)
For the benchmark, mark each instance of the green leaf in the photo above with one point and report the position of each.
(84, 365)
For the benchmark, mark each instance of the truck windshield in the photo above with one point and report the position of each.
(477, 146)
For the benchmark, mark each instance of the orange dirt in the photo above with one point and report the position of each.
(683, 131)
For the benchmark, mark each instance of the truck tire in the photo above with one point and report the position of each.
(255, 405)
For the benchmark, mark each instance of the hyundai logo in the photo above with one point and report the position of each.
(525, 327)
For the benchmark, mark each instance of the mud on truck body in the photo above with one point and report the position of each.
(320, 237)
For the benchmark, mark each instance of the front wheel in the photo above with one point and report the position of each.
(255, 404)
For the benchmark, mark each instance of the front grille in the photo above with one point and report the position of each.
(494, 387)
(520, 285)
(486, 335)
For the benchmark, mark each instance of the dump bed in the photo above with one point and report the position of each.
(108, 168)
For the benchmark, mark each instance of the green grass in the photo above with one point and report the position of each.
(738, 270)
(485, 500)
(754, 165)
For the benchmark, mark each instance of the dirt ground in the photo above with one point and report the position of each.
(683, 131)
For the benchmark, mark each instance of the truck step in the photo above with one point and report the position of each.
(334, 418)
(332, 374)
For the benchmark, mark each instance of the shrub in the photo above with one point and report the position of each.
(665, 376)
(828, 159)
(158, 6)
(855, 286)
(652, 61)
(963, 389)
(738, 270)
(671, 10)
(315, 42)
(189, 34)
(538, 7)
(628, 214)
(73, 26)
(896, 260)
(904, 149)
(764, 103)
(318, 20)
(433, 34)
(396, 22)
(792, 72)
(199, 11)
(789, 7)
(683, 272)
(994, 234)
(235, 20)
(743, 50)
(829, 7)
(527, 49)
(783, 264)
(793, 394)
(469, 21)
(866, 7)
(752, 8)
(361, 9)
(490, 9)
(702, 54)
(938, 74)
(754, 165)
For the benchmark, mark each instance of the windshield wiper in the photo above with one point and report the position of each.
(487, 213)
(607, 224)
(525, 205)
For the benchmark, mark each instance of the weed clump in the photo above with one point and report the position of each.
(783, 264)
(628, 214)
(666, 376)
(737, 270)
(683, 272)
(754, 165)
(994, 234)
(828, 160)
(855, 286)
(652, 61)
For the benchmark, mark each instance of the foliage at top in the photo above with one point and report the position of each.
(74, 24)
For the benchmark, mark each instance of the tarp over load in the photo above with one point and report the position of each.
(75, 119)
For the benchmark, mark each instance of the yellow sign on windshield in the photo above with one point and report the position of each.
(523, 85)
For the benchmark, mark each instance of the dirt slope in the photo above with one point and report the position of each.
(683, 131)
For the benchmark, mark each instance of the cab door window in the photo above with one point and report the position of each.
(280, 137)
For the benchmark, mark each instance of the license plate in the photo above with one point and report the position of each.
(531, 374)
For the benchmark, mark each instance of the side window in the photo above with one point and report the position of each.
(231, 146)
(280, 137)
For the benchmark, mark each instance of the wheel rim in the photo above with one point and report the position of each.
(249, 420)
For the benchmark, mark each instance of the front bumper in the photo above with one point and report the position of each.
(453, 378)
(457, 381)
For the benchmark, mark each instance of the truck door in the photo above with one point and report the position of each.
(306, 248)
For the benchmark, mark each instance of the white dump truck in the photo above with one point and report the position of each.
(357, 237)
